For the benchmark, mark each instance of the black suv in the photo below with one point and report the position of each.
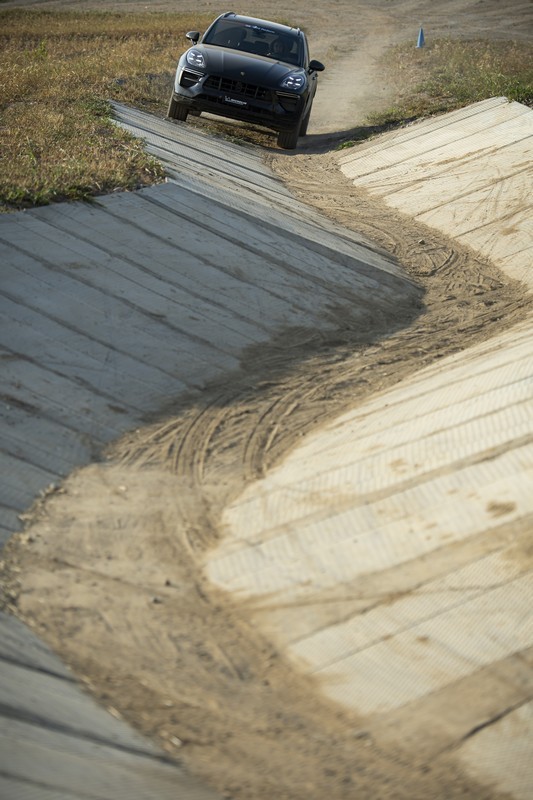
(251, 70)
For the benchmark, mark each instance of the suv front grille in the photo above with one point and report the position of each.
(222, 84)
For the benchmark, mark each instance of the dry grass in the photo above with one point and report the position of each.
(58, 72)
(451, 73)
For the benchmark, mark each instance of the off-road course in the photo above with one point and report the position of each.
(134, 616)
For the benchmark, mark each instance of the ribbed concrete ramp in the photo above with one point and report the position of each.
(468, 173)
(56, 744)
(109, 312)
(390, 554)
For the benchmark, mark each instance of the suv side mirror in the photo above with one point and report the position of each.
(193, 36)
(316, 66)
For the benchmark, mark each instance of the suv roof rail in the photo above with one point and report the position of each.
(229, 14)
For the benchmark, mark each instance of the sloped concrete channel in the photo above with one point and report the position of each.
(390, 553)
(110, 311)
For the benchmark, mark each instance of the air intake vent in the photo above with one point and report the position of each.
(189, 78)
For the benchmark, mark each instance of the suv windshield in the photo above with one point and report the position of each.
(261, 41)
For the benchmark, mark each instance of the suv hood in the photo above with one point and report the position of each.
(245, 66)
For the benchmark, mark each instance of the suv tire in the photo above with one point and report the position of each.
(177, 110)
(288, 140)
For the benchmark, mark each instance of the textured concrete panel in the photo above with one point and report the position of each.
(389, 553)
(111, 310)
(468, 174)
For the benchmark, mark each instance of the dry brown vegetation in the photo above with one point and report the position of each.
(450, 73)
(58, 72)
(60, 69)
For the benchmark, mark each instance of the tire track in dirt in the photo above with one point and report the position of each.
(185, 663)
(119, 551)
(235, 433)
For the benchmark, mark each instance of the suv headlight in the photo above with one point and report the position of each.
(295, 81)
(195, 58)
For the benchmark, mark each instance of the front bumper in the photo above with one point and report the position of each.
(271, 108)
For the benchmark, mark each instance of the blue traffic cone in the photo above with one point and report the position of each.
(421, 41)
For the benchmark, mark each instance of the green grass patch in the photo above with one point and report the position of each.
(58, 73)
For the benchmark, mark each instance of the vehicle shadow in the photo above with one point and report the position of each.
(315, 143)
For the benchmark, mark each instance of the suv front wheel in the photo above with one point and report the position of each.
(289, 139)
(177, 110)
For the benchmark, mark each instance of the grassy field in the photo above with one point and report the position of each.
(452, 73)
(59, 71)
(449, 74)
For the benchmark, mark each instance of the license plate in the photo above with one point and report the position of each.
(234, 102)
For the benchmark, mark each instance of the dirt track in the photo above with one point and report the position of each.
(148, 635)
